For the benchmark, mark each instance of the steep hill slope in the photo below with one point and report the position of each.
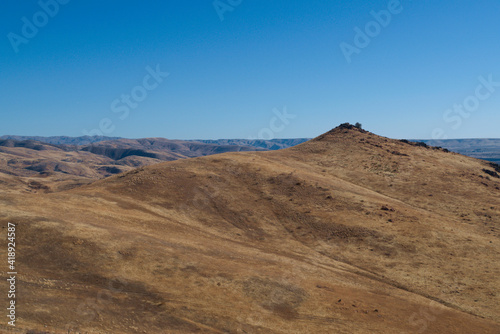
(347, 233)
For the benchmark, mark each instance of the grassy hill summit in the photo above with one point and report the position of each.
(349, 232)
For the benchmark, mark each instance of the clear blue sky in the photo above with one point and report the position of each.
(227, 76)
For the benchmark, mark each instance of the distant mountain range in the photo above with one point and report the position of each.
(62, 140)
(272, 144)
(486, 149)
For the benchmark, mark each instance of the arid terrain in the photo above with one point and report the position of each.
(54, 166)
(47, 164)
(347, 233)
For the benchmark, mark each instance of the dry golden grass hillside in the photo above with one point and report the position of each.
(347, 233)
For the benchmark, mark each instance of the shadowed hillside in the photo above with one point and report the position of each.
(347, 233)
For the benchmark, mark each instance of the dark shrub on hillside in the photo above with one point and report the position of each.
(491, 173)
(421, 144)
(495, 166)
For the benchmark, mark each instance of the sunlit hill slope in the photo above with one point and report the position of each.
(347, 233)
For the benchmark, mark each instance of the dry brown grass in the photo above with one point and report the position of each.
(348, 233)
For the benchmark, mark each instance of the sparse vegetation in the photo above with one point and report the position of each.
(495, 166)
(349, 126)
(398, 153)
(230, 228)
(345, 126)
(491, 173)
(421, 144)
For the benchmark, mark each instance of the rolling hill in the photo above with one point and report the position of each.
(347, 233)
(486, 149)
(51, 167)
